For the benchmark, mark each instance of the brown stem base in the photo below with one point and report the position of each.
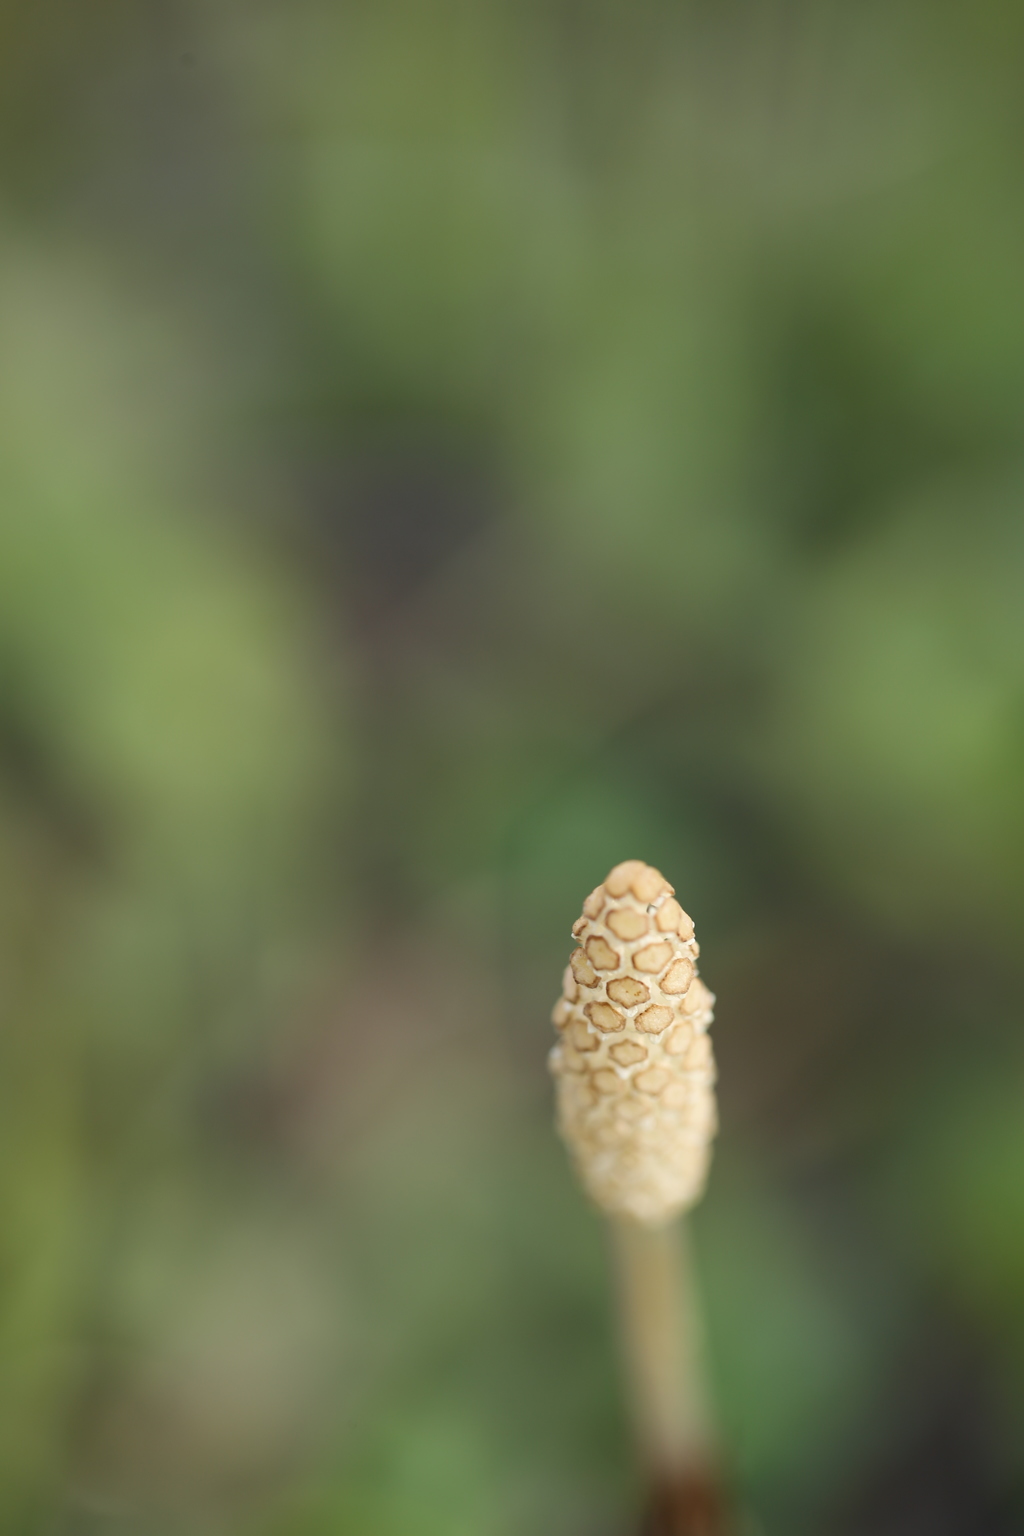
(692, 1505)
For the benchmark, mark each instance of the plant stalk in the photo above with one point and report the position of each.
(663, 1355)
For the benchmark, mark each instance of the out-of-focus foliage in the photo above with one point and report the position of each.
(445, 449)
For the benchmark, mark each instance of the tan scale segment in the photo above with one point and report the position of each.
(678, 977)
(649, 884)
(601, 955)
(654, 1019)
(699, 1052)
(634, 1069)
(582, 1038)
(628, 1052)
(627, 924)
(572, 1060)
(582, 970)
(606, 1080)
(618, 882)
(653, 1080)
(604, 1017)
(677, 1041)
(670, 915)
(628, 991)
(698, 1001)
(652, 958)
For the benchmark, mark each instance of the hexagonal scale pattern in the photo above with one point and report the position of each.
(633, 1067)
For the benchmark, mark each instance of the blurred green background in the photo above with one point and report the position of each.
(445, 449)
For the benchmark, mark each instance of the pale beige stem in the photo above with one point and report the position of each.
(662, 1344)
